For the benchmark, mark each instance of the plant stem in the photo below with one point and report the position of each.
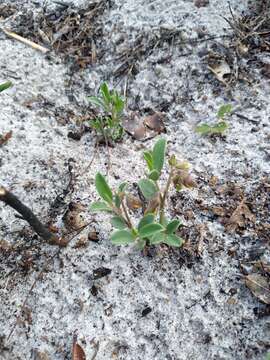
(163, 198)
(126, 215)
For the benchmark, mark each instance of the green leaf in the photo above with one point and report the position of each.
(219, 128)
(154, 175)
(141, 244)
(104, 89)
(117, 201)
(149, 159)
(148, 188)
(103, 188)
(173, 226)
(100, 206)
(122, 187)
(158, 238)
(173, 240)
(147, 219)
(159, 154)
(223, 110)
(118, 223)
(205, 129)
(95, 101)
(118, 103)
(122, 237)
(5, 86)
(150, 229)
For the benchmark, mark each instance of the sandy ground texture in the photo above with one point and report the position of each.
(172, 304)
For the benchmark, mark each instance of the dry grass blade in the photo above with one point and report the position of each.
(26, 41)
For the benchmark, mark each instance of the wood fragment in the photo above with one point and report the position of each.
(27, 214)
(26, 41)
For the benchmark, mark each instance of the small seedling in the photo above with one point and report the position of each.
(5, 86)
(153, 227)
(220, 127)
(109, 124)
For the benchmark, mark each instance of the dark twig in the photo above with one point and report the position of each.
(27, 214)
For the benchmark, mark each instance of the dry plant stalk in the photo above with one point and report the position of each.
(27, 214)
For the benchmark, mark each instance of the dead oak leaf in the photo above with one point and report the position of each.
(239, 217)
(259, 286)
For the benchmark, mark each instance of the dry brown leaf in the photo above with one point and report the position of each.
(155, 122)
(221, 70)
(133, 202)
(153, 204)
(77, 351)
(4, 138)
(140, 132)
(259, 286)
(201, 3)
(143, 129)
(239, 217)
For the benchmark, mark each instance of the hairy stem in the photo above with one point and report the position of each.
(163, 198)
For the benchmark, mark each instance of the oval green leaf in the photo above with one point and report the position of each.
(172, 226)
(174, 240)
(158, 238)
(148, 188)
(148, 157)
(103, 188)
(122, 237)
(154, 175)
(147, 219)
(224, 110)
(159, 154)
(118, 223)
(150, 229)
(5, 86)
(100, 206)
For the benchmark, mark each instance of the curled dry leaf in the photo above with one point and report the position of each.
(4, 138)
(144, 129)
(77, 351)
(221, 70)
(239, 217)
(259, 286)
(155, 122)
(133, 202)
(153, 204)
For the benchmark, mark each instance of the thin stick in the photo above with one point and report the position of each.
(26, 41)
(27, 214)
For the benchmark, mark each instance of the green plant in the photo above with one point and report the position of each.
(109, 124)
(153, 227)
(220, 127)
(5, 86)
